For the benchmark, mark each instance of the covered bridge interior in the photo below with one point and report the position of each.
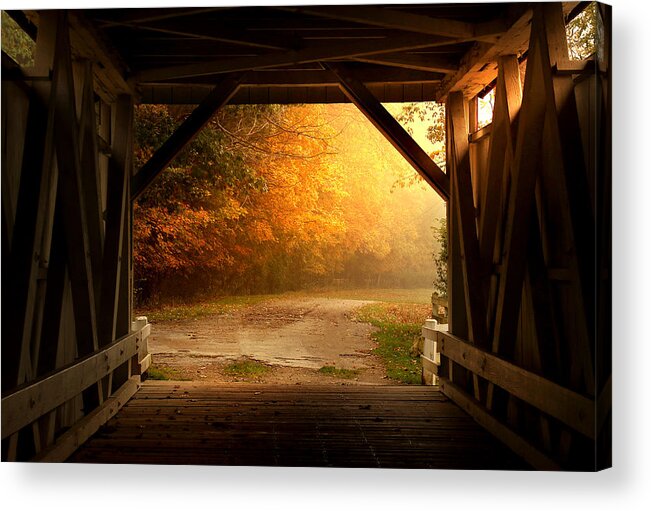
(527, 351)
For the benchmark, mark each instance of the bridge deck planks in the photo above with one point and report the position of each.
(295, 425)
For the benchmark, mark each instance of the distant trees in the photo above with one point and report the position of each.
(271, 198)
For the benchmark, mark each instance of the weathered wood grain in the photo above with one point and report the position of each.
(295, 425)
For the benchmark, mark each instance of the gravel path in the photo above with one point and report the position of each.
(295, 337)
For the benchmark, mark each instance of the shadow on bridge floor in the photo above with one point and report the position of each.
(295, 425)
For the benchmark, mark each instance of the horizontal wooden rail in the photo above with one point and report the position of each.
(480, 134)
(429, 365)
(30, 402)
(86, 427)
(571, 408)
(536, 458)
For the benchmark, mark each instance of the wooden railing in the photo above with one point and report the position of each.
(573, 410)
(35, 403)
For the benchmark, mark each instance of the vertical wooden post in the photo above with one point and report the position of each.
(463, 204)
(31, 216)
(524, 173)
(117, 209)
(72, 198)
(90, 175)
(508, 99)
(458, 323)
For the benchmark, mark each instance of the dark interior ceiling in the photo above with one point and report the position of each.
(402, 52)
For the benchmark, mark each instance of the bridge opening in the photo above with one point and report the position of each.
(265, 249)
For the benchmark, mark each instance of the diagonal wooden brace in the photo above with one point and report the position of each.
(184, 134)
(368, 104)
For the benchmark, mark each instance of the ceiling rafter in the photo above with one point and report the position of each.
(401, 20)
(144, 15)
(338, 50)
(418, 62)
(220, 34)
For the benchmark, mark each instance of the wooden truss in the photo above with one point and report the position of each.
(69, 257)
(522, 257)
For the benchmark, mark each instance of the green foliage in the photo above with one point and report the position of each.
(156, 372)
(16, 43)
(336, 372)
(247, 369)
(398, 337)
(414, 295)
(441, 258)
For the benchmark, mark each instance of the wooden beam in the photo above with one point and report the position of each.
(213, 33)
(508, 100)
(429, 365)
(477, 67)
(462, 200)
(73, 200)
(571, 408)
(143, 365)
(418, 62)
(332, 50)
(31, 213)
(123, 321)
(565, 138)
(25, 257)
(90, 176)
(313, 78)
(306, 78)
(117, 202)
(273, 94)
(401, 20)
(29, 402)
(458, 321)
(81, 431)
(89, 44)
(46, 356)
(524, 174)
(546, 350)
(536, 458)
(392, 130)
(184, 134)
(148, 15)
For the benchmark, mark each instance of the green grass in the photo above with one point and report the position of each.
(347, 374)
(247, 369)
(226, 304)
(398, 337)
(164, 373)
(418, 295)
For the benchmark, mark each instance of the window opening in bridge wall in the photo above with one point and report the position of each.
(485, 106)
(16, 43)
(584, 32)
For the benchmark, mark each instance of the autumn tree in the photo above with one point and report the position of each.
(182, 221)
(271, 198)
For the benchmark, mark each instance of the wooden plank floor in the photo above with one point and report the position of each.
(295, 425)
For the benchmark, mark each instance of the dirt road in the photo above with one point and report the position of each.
(294, 337)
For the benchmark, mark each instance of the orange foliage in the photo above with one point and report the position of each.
(312, 202)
